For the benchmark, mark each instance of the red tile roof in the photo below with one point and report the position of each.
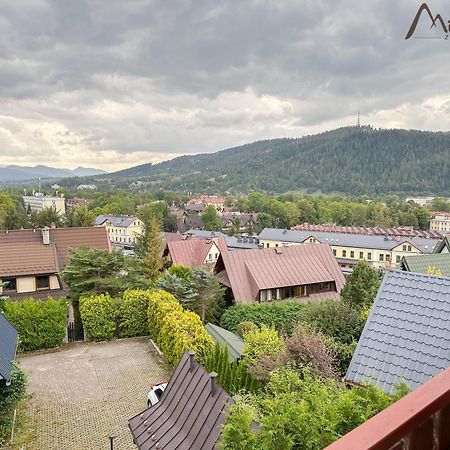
(22, 252)
(250, 271)
(192, 252)
(375, 231)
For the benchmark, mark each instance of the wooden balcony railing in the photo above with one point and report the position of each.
(418, 421)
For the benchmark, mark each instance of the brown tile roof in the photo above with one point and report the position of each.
(189, 415)
(192, 252)
(22, 252)
(249, 271)
(373, 231)
(171, 237)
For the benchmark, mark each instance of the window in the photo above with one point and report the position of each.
(381, 257)
(404, 248)
(388, 258)
(334, 251)
(289, 292)
(216, 255)
(210, 256)
(344, 253)
(267, 245)
(10, 284)
(276, 245)
(369, 256)
(352, 254)
(409, 248)
(263, 296)
(311, 240)
(398, 258)
(361, 255)
(42, 282)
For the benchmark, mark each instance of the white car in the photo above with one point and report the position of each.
(155, 393)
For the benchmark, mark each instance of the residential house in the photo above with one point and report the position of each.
(31, 260)
(122, 230)
(8, 339)
(216, 201)
(440, 221)
(72, 202)
(263, 275)
(349, 248)
(417, 421)
(190, 222)
(233, 242)
(40, 201)
(189, 415)
(87, 187)
(407, 334)
(193, 252)
(246, 223)
(427, 264)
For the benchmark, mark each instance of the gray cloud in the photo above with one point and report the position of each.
(117, 83)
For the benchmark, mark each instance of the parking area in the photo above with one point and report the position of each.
(85, 392)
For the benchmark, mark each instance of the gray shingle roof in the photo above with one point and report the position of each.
(8, 341)
(348, 240)
(233, 243)
(407, 335)
(422, 263)
(117, 221)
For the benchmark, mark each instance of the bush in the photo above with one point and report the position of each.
(98, 317)
(336, 319)
(283, 316)
(133, 311)
(263, 342)
(160, 304)
(41, 324)
(9, 398)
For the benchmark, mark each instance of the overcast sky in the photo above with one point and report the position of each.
(115, 83)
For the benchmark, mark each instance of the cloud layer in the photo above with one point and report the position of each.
(112, 84)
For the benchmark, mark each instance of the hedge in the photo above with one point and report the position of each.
(41, 324)
(98, 317)
(133, 308)
(10, 396)
(176, 330)
(283, 316)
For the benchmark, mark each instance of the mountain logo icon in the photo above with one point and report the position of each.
(436, 21)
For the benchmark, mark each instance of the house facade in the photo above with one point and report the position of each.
(31, 260)
(271, 274)
(38, 202)
(123, 231)
(379, 251)
(440, 221)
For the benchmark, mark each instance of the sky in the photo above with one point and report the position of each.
(112, 84)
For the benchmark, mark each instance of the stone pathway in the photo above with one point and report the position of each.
(84, 392)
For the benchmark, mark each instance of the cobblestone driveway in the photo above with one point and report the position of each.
(86, 391)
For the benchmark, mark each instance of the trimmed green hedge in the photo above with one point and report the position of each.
(10, 396)
(176, 330)
(283, 316)
(133, 308)
(98, 316)
(41, 324)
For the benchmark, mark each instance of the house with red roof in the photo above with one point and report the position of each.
(308, 272)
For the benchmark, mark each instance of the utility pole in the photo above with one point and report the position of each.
(359, 124)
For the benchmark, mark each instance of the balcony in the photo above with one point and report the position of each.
(419, 421)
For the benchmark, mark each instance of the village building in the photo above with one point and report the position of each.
(31, 261)
(270, 274)
(122, 230)
(38, 202)
(440, 221)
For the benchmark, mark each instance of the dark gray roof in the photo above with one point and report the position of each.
(348, 239)
(116, 220)
(407, 335)
(232, 341)
(423, 263)
(189, 415)
(8, 341)
(233, 242)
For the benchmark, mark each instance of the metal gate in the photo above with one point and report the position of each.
(75, 331)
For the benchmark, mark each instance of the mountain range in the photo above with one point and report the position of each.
(352, 160)
(13, 173)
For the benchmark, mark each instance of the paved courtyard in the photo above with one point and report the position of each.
(86, 391)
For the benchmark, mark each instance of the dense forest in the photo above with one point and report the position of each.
(352, 160)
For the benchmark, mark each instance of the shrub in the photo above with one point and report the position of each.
(41, 324)
(263, 342)
(283, 316)
(183, 331)
(160, 303)
(133, 311)
(98, 317)
(9, 398)
(336, 319)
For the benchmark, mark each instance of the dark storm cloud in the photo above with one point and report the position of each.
(146, 78)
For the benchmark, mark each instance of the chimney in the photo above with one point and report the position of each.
(213, 376)
(46, 236)
(191, 354)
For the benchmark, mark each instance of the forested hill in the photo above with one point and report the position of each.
(355, 160)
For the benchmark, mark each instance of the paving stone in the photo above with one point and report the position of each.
(86, 391)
